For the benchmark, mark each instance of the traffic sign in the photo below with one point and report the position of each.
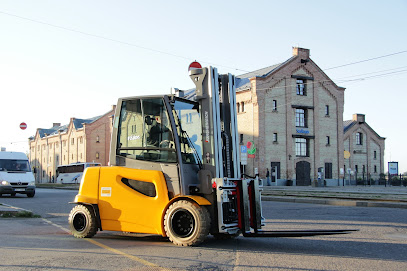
(194, 65)
(243, 155)
(23, 126)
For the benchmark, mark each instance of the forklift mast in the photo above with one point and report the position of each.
(216, 95)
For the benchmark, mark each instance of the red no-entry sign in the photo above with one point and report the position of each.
(23, 126)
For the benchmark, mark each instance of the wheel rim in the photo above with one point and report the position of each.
(79, 222)
(182, 223)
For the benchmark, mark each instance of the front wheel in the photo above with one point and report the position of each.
(30, 195)
(186, 223)
(82, 221)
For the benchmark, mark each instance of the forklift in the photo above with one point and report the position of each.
(175, 170)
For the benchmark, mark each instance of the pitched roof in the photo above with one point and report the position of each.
(347, 124)
(243, 81)
(77, 123)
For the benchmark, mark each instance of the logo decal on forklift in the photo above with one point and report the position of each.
(206, 126)
(106, 192)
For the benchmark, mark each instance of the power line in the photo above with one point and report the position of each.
(117, 41)
(398, 71)
(171, 54)
(350, 76)
(361, 61)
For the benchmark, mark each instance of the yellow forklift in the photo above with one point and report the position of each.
(175, 170)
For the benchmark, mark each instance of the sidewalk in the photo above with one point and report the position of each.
(361, 196)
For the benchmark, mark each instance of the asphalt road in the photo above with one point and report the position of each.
(44, 243)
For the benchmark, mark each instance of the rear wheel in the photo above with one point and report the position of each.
(186, 223)
(82, 221)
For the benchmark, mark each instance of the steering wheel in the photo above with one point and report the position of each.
(166, 143)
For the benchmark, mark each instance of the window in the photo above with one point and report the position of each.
(241, 138)
(145, 131)
(97, 155)
(326, 110)
(142, 187)
(275, 138)
(274, 105)
(328, 141)
(374, 155)
(242, 105)
(72, 141)
(81, 140)
(363, 169)
(301, 148)
(300, 117)
(375, 169)
(301, 90)
(359, 139)
(328, 170)
(238, 107)
(356, 168)
(97, 139)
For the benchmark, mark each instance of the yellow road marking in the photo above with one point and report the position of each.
(134, 258)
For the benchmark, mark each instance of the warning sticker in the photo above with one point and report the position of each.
(106, 192)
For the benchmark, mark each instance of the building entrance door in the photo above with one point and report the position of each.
(303, 172)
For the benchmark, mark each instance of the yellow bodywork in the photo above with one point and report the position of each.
(123, 208)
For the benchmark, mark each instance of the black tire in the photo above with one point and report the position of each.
(186, 223)
(30, 195)
(82, 221)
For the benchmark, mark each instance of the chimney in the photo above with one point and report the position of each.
(301, 52)
(56, 124)
(359, 118)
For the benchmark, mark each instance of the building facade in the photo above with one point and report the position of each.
(364, 150)
(82, 140)
(293, 113)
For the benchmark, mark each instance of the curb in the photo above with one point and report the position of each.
(348, 203)
(5, 208)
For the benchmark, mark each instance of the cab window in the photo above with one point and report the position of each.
(145, 132)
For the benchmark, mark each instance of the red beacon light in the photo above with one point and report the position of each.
(194, 65)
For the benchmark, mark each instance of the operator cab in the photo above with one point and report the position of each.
(159, 133)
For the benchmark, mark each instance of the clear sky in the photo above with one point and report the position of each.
(63, 59)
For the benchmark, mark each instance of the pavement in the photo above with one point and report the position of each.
(358, 196)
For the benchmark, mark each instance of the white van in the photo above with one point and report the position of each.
(15, 174)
